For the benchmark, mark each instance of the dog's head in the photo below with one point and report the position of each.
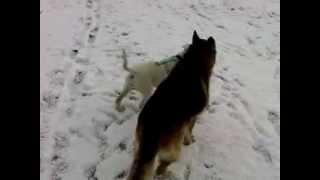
(201, 54)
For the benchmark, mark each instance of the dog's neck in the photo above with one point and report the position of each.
(169, 63)
(169, 60)
(203, 74)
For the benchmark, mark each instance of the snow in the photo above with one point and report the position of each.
(82, 136)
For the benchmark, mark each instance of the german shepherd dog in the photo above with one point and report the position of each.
(167, 119)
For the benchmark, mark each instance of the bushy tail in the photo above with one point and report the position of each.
(125, 61)
(143, 163)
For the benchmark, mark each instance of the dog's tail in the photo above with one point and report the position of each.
(143, 162)
(125, 61)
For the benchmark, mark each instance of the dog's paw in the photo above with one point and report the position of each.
(120, 108)
(166, 175)
(188, 140)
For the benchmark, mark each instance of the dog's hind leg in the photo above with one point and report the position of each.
(170, 149)
(146, 91)
(188, 137)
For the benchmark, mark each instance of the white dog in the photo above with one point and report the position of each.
(146, 76)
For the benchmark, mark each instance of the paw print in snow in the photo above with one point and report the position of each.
(61, 140)
(79, 76)
(50, 99)
(121, 175)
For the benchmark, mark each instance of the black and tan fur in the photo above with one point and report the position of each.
(169, 115)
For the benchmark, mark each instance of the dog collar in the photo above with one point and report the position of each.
(165, 64)
(168, 70)
(170, 59)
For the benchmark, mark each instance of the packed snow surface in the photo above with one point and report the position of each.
(83, 137)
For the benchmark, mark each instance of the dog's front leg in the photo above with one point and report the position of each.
(124, 92)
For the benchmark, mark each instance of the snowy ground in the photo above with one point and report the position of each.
(82, 136)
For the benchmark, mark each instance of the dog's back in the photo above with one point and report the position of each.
(181, 96)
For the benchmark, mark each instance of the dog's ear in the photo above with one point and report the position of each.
(212, 42)
(195, 37)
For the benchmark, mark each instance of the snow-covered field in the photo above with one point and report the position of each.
(83, 137)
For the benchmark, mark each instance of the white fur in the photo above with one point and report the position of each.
(146, 76)
(143, 78)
